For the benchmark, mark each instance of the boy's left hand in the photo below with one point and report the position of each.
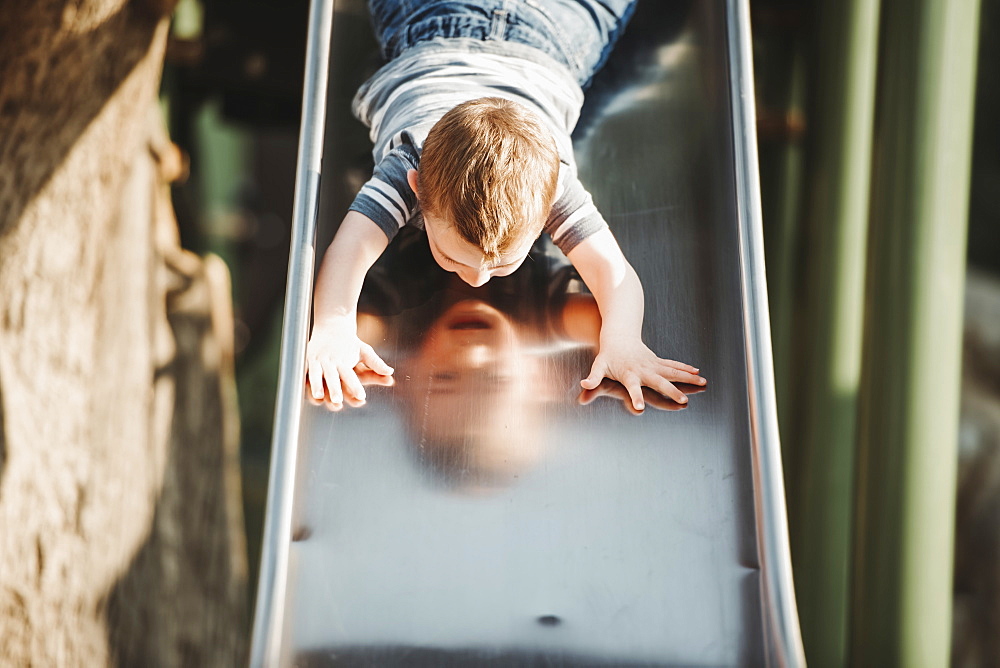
(634, 365)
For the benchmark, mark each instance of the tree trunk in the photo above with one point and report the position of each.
(120, 528)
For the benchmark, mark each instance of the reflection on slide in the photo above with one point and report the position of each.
(472, 380)
(472, 397)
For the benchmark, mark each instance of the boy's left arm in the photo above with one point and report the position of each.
(621, 354)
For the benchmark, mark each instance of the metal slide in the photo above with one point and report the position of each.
(481, 511)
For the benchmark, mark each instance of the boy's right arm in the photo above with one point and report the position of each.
(334, 349)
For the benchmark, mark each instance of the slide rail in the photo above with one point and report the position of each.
(781, 627)
(265, 648)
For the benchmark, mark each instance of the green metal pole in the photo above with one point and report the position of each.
(780, 82)
(908, 418)
(829, 327)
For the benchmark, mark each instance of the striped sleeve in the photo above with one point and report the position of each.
(573, 217)
(387, 198)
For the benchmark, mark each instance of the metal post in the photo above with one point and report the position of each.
(824, 401)
(908, 418)
(269, 613)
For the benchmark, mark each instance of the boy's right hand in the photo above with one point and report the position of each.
(335, 354)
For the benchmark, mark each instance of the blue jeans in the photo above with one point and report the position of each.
(577, 33)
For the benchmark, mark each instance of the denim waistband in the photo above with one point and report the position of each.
(477, 45)
(477, 29)
(575, 33)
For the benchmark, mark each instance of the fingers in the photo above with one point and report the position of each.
(587, 396)
(332, 382)
(597, 373)
(680, 374)
(688, 390)
(608, 388)
(341, 387)
(369, 377)
(353, 402)
(352, 386)
(615, 390)
(668, 389)
(680, 365)
(374, 362)
(634, 387)
(335, 377)
(661, 402)
(314, 372)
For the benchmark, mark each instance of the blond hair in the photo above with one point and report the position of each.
(490, 168)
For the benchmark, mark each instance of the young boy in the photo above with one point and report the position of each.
(471, 121)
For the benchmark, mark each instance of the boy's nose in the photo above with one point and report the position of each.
(476, 278)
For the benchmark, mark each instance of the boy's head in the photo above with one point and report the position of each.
(488, 175)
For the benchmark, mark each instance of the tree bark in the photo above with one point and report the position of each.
(120, 528)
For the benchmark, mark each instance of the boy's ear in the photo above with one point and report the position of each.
(411, 178)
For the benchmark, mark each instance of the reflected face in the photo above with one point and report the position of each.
(470, 368)
(455, 254)
(473, 396)
(469, 336)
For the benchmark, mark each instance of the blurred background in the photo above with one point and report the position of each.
(823, 76)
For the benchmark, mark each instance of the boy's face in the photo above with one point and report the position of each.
(457, 255)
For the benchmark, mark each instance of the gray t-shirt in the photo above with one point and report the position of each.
(403, 101)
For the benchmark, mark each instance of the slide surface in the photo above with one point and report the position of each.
(484, 511)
